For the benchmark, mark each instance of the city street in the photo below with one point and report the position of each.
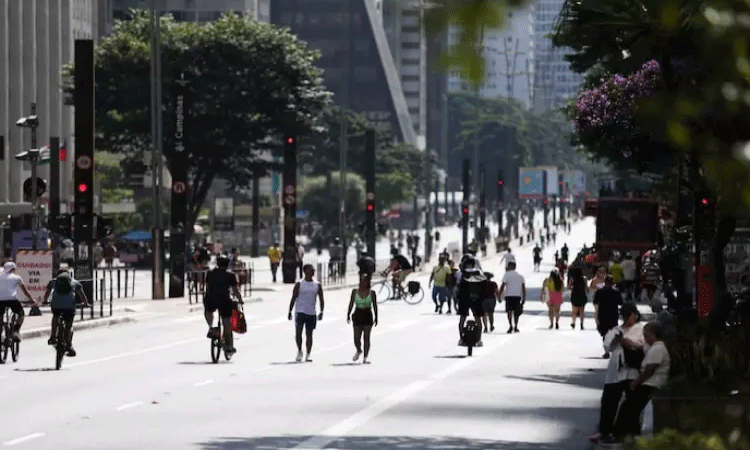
(151, 382)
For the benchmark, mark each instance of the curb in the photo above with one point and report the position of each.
(80, 325)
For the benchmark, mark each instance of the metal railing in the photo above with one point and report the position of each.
(115, 282)
(331, 273)
(196, 283)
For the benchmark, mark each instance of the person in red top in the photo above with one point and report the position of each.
(488, 302)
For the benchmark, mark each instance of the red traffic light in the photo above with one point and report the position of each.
(290, 140)
(82, 188)
(704, 201)
(500, 183)
(63, 154)
(466, 210)
(370, 207)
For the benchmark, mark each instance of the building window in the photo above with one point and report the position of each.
(410, 45)
(408, 62)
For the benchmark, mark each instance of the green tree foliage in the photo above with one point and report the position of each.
(250, 82)
(319, 195)
(110, 181)
(392, 188)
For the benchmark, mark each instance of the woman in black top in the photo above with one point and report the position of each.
(578, 293)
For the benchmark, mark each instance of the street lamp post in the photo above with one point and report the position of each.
(32, 122)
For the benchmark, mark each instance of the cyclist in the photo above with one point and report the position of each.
(220, 284)
(9, 285)
(401, 269)
(64, 304)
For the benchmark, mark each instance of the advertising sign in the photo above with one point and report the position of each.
(224, 214)
(530, 182)
(552, 180)
(579, 182)
(35, 267)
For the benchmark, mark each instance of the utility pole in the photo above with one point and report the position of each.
(157, 280)
(465, 206)
(344, 128)
(475, 158)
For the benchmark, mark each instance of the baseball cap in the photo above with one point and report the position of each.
(9, 267)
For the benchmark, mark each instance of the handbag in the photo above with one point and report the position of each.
(239, 325)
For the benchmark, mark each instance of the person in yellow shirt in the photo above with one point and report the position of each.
(615, 269)
(439, 291)
(274, 256)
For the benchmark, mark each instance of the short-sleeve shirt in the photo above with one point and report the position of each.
(9, 284)
(657, 354)
(219, 284)
(403, 263)
(513, 284)
(441, 273)
(617, 273)
(65, 300)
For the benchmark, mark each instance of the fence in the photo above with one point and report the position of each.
(196, 283)
(331, 273)
(112, 283)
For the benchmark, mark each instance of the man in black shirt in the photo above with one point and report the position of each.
(607, 301)
(401, 268)
(537, 257)
(219, 283)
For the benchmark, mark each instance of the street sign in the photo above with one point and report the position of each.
(35, 267)
(289, 200)
(303, 214)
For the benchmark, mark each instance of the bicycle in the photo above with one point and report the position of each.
(7, 343)
(218, 344)
(61, 341)
(383, 290)
(412, 296)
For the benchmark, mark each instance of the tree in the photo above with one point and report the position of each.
(250, 83)
(315, 195)
(392, 188)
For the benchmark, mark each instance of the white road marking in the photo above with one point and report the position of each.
(128, 405)
(137, 352)
(23, 439)
(358, 419)
(403, 324)
(203, 383)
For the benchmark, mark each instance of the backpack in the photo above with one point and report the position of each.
(63, 285)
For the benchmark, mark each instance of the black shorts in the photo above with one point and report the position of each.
(475, 307)
(512, 304)
(306, 320)
(14, 305)
(362, 317)
(225, 307)
(67, 314)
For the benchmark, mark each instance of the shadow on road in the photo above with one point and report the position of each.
(346, 364)
(284, 363)
(379, 443)
(41, 369)
(451, 356)
(196, 363)
(588, 378)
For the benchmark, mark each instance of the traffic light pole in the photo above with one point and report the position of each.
(482, 206)
(54, 199)
(157, 279)
(465, 207)
(500, 185)
(370, 211)
(289, 263)
(34, 191)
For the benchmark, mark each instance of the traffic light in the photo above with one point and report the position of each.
(63, 154)
(466, 210)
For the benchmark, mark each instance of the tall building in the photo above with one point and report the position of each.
(509, 60)
(356, 58)
(195, 10)
(554, 82)
(36, 41)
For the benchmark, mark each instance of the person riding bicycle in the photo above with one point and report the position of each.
(64, 305)
(470, 290)
(9, 285)
(401, 268)
(220, 285)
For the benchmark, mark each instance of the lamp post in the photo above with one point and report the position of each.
(32, 122)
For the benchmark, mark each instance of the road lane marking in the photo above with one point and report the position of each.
(137, 352)
(203, 383)
(360, 418)
(23, 439)
(128, 405)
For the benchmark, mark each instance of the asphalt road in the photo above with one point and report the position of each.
(151, 383)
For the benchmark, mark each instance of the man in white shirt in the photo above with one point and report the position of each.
(654, 375)
(628, 270)
(10, 283)
(507, 258)
(514, 288)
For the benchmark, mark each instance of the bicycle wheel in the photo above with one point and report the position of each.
(3, 345)
(416, 298)
(15, 347)
(60, 344)
(383, 291)
(216, 345)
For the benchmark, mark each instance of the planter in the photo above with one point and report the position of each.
(719, 415)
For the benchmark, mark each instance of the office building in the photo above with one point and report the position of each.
(194, 10)
(509, 60)
(554, 82)
(356, 58)
(36, 41)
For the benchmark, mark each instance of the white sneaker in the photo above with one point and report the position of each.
(365, 361)
(356, 355)
(299, 356)
(309, 358)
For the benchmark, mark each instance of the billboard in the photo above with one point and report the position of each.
(579, 184)
(552, 187)
(530, 182)
(574, 182)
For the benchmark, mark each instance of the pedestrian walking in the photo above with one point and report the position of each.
(364, 301)
(537, 257)
(451, 284)
(514, 288)
(651, 279)
(489, 303)
(597, 283)
(578, 294)
(654, 373)
(299, 257)
(110, 253)
(629, 272)
(274, 257)
(507, 258)
(607, 301)
(617, 272)
(619, 374)
(554, 287)
(304, 294)
(437, 281)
